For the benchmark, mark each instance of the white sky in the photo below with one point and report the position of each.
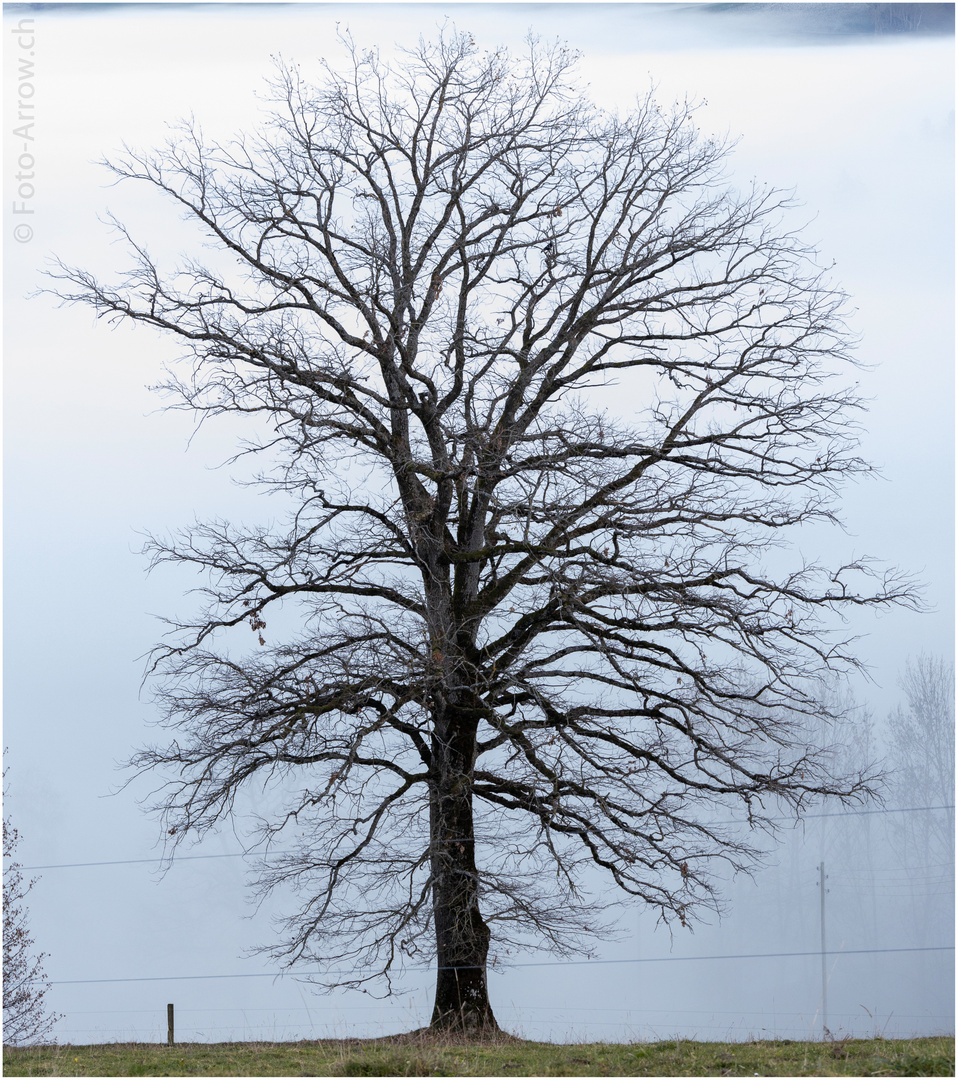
(862, 128)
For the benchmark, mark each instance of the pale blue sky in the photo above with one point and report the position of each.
(862, 127)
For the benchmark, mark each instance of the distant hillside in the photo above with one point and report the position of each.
(816, 20)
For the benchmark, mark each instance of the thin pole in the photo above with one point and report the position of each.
(169, 1025)
(821, 874)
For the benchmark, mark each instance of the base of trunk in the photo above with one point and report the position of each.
(462, 1003)
(469, 1024)
(428, 1036)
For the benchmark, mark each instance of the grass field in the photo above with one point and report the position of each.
(410, 1056)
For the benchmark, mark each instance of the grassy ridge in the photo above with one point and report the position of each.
(430, 1057)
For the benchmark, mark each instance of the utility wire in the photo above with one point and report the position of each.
(284, 1010)
(127, 862)
(531, 963)
(245, 854)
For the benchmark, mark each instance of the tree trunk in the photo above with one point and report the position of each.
(462, 937)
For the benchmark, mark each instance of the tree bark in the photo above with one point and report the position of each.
(462, 936)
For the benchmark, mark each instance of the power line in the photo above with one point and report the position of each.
(859, 813)
(245, 854)
(403, 1009)
(127, 862)
(531, 963)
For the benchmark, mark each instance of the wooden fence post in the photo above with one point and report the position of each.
(169, 1025)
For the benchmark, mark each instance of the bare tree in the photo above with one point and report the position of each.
(922, 740)
(25, 1017)
(897, 18)
(921, 766)
(543, 641)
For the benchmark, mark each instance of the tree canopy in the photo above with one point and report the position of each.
(548, 401)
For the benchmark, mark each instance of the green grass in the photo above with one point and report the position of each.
(421, 1056)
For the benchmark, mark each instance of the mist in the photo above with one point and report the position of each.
(858, 118)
